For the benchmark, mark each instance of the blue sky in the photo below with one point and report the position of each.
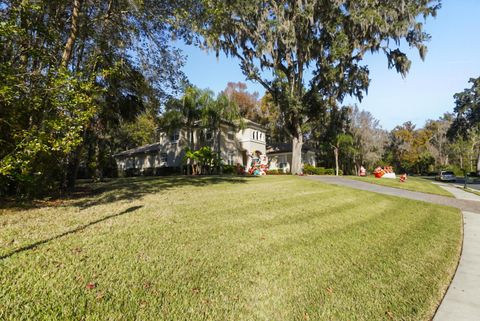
(427, 91)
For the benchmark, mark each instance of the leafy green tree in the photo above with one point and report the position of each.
(141, 131)
(187, 111)
(409, 149)
(285, 44)
(467, 116)
(71, 72)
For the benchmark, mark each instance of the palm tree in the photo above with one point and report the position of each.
(216, 112)
(185, 113)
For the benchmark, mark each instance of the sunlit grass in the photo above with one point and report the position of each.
(412, 184)
(269, 248)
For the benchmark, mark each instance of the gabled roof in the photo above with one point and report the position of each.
(285, 148)
(145, 149)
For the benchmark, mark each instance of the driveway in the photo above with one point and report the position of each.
(462, 204)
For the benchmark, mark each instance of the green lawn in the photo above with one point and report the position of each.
(269, 248)
(415, 184)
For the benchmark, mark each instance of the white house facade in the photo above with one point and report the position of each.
(237, 144)
(280, 156)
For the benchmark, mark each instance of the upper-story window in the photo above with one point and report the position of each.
(175, 136)
(209, 135)
(253, 134)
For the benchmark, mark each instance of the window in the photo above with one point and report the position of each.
(163, 158)
(230, 158)
(209, 135)
(231, 135)
(175, 136)
(253, 135)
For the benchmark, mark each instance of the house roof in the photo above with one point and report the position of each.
(285, 148)
(236, 123)
(145, 149)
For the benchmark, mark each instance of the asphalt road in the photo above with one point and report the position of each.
(460, 182)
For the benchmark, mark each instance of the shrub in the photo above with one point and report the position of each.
(148, 171)
(130, 172)
(331, 171)
(273, 172)
(165, 171)
(312, 170)
(229, 169)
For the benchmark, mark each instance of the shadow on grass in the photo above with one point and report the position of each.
(89, 194)
(75, 230)
(132, 188)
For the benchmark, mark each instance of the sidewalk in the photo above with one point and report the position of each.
(462, 301)
(459, 193)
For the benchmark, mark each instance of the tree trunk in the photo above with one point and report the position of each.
(478, 164)
(297, 143)
(73, 167)
(335, 152)
(219, 156)
(67, 51)
(190, 146)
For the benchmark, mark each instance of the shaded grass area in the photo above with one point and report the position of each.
(269, 248)
(415, 184)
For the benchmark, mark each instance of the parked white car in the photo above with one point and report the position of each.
(446, 176)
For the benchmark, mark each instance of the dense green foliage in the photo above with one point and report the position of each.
(312, 170)
(72, 73)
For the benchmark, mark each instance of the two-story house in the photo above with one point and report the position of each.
(237, 144)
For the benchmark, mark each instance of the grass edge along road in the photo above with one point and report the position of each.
(227, 248)
(414, 184)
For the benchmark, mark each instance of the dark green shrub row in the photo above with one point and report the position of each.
(277, 172)
(312, 170)
(229, 169)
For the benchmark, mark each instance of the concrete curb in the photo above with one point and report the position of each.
(462, 299)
